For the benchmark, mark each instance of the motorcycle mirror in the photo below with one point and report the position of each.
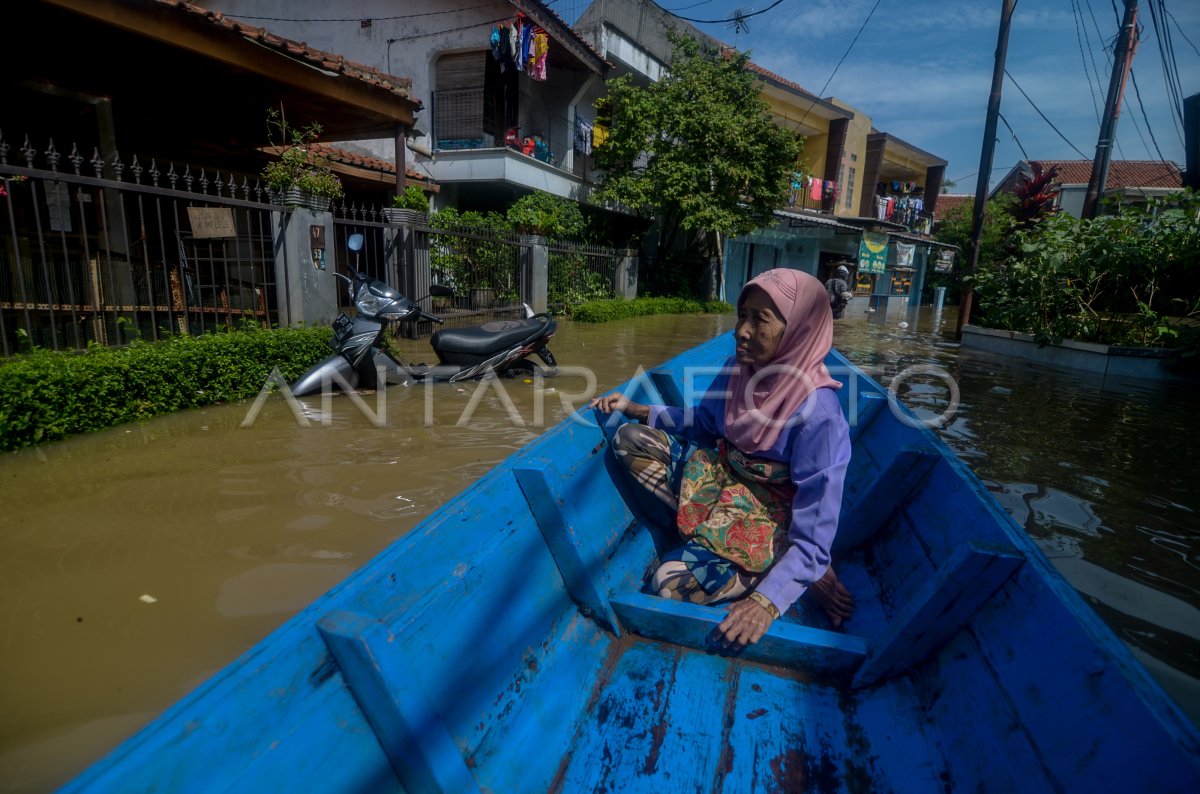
(355, 243)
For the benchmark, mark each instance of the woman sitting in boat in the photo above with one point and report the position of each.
(757, 501)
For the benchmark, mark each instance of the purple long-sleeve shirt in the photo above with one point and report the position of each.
(817, 448)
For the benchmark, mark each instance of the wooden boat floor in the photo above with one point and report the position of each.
(653, 723)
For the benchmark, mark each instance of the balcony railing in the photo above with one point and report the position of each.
(464, 118)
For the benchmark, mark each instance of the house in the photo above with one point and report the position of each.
(1129, 181)
(113, 154)
(495, 129)
(855, 178)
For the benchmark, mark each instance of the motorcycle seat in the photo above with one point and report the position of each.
(482, 340)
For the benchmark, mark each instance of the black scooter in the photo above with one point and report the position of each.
(501, 347)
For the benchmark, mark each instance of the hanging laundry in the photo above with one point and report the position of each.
(514, 42)
(818, 189)
(582, 138)
(904, 255)
(599, 135)
(541, 48)
(526, 43)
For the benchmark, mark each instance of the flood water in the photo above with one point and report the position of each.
(137, 561)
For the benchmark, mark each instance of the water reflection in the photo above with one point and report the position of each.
(230, 530)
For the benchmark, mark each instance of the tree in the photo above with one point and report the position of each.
(698, 149)
(994, 242)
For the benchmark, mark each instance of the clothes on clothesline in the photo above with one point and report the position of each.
(521, 45)
(582, 138)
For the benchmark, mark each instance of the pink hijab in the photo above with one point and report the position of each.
(754, 420)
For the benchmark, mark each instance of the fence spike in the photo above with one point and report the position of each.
(52, 156)
(75, 157)
(203, 181)
(137, 171)
(154, 172)
(246, 188)
(29, 152)
(97, 162)
(188, 179)
(172, 176)
(118, 166)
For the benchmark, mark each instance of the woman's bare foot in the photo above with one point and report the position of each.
(833, 597)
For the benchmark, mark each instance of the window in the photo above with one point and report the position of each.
(849, 188)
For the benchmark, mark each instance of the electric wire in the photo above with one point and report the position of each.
(1170, 69)
(1170, 174)
(1083, 58)
(730, 18)
(1014, 136)
(1180, 29)
(839, 63)
(1043, 115)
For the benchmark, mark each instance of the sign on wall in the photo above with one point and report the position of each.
(211, 222)
(945, 261)
(872, 253)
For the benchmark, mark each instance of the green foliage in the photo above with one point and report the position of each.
(1126, 279)
(602, 311)
(298, 166)
(548, 215)
(698, 148)
(471, 252)
(47, 395)
(570, 281)
(413, 198)
(994, 241)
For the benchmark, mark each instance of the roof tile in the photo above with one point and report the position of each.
(1121, 173)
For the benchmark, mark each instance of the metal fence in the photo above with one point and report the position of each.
(105, 251)
(489, 268)
(579, 273)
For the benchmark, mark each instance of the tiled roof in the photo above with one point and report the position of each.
(363, 161)
(1121, 173)
(400, 86)
(949, 201)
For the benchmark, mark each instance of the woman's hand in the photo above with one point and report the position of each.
(619, 402)
(744, 624)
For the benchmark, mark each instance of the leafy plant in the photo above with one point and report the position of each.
(548, 215)
(601, 311)
(1036, 194)
(47, 395)
(471, 252)
(298, 166)
(413, 198)
(1125, 279)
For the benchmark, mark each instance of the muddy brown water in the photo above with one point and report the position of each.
(137, 561)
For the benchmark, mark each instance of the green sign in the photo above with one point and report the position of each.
(872, 253)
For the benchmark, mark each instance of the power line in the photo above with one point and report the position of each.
(1180, 29)
(1014, 136)
(1083, 58)
(1043, 115)
(839, 63)
(728, 19)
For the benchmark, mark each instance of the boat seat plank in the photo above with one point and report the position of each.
(867, 507)
(944, 604)
(581, 563)
(860, 413)
(418, 746)
(785, 644)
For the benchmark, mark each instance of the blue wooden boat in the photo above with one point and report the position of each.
(505, 645)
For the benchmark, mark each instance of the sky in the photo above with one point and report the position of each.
(922, 70)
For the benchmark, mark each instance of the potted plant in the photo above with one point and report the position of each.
(300, 177)
(411, 206)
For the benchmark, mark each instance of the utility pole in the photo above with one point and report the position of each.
(1122, 63)
(985, 162)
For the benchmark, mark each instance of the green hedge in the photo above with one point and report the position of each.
(602, 311)
(48, 395)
